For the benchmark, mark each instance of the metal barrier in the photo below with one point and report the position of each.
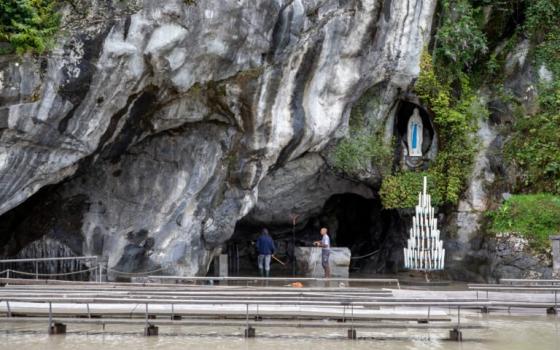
(516, 288)
(340, 310)
(279, 279)
(94, 261)
(517, 281)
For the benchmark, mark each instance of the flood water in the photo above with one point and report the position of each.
(503, 332)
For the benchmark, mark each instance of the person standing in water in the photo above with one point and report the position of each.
(265, 248)
(325, 243)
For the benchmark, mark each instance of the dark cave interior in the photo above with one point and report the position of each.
(374, 236)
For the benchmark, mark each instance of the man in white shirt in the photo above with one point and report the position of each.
(325, 243)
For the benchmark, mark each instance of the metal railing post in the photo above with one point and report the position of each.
(146, 317)
(36, 270)
(352, 315)
(458, 317)
(50, 318)
(429, 309)
(98, 270)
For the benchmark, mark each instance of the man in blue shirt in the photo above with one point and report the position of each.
(265, 248)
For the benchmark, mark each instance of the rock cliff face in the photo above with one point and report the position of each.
(149, 131)
(474, 255)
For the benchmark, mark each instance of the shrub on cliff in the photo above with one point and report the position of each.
(459, 39)
(534, 216)
(533, 148)
(358, 152)
(28, 25)
(365, 151)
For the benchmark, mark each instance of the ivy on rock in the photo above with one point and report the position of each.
(447, 92)
(534, 141)
(533, 216)
(455, 120)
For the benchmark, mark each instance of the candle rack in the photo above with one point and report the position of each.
(424, 251)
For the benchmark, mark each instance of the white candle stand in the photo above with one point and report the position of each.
(424, 251)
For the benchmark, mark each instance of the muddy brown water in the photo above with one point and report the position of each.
(503, 332)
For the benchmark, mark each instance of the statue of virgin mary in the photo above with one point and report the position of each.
(414, 134)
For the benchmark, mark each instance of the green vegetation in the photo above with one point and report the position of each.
(366, 143)
(356, 153)
(401, 190)
(535, 217)
(459, 39)
(534, 144)
(543, 28)
(447, 91)
(534, 148)
(28, 25)
(455, 120)
(533, 141)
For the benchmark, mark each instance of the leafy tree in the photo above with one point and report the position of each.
(459, 39)
(28, 25)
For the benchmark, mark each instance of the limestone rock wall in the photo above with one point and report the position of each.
(475, 255)
(146, 132)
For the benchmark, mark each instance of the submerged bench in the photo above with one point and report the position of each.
(530, 282)
(152, 325)
(551, 307)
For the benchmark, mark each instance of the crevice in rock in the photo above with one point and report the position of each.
(303, 75)
(136, 124)
(77, 86)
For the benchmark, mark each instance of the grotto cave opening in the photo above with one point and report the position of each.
(375, 237)
(45, 226)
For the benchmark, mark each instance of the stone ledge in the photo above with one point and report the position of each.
(308, 261)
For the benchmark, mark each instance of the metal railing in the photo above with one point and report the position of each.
(377, 281)
(95, 262)
(246, 310)
(519, 281)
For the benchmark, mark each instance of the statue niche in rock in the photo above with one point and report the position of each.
(415, 134)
